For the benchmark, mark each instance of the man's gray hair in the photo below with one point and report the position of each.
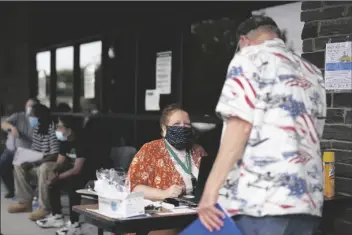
(271, 29)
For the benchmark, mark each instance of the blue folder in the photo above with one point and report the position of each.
(197, 228)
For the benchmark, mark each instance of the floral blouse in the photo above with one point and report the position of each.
(153, 166)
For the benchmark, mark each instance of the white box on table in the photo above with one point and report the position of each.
(132, 205)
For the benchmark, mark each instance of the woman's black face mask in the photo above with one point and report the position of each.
(179, 137)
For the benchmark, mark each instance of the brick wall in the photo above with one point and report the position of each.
(325, 21)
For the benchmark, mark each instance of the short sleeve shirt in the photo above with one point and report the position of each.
(20, 121)
(283, 97)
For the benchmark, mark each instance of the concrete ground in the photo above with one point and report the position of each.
(19, 224)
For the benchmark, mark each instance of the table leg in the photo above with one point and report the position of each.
(100, 231)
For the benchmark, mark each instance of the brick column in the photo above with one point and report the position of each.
(324, 21)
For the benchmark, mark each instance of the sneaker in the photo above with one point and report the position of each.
(39, 214)
(51, 221)
(71, 229)
(19, 207)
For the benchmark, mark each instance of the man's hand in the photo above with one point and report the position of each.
(209, 215)
(58, 168)
(27, 166)
(173, 191)
(14, 131)
(53, 178)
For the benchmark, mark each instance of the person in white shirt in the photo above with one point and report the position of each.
(268, 172)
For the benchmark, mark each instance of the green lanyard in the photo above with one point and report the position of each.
(188, 168)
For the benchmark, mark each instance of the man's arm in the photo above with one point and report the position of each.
(75, 170)
(234, 141)
(6, 126)
(236, 106)
(10, 124)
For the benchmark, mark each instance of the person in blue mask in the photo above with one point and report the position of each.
(44, 141)
(19, 134)
(78, 160)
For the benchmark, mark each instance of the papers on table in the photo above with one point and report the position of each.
(26, 155)
(87, 192)
(114, 216)
(178, 211)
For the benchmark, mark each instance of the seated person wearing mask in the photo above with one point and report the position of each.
(86, 157)
(44, 141)
(19, 135)
(167, 167)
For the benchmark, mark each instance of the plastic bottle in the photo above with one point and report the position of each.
(35, 204)
(329, 174)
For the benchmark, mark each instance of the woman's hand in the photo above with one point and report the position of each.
(173, 191)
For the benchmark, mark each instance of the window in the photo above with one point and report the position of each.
(64, 70)
(209, 39)
(43, 70)
(90, 64)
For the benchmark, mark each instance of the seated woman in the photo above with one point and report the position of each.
(44, 141)
(78, 160)
(167, 167)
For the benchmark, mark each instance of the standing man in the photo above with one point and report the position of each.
(268, 170)
(19, 135)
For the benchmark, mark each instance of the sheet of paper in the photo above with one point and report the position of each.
(116, 216)
(86, 191)
(338, 66)
(178, 211)
(163, 72)
(26, 155)
(152, 99)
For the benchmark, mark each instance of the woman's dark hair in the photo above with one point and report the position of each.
(168, 111)
(43, 114)
(73, 123)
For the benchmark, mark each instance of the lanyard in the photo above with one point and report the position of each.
(186, 167)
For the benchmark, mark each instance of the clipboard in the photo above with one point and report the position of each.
(229, 227)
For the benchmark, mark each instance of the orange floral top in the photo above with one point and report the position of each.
(152, 166)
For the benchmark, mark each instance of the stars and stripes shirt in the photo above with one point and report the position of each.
(283, 97)
(45, 143)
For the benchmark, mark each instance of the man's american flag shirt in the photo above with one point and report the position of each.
(283, 97)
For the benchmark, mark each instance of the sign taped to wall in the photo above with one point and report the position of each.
(338, 66)
(163, 72)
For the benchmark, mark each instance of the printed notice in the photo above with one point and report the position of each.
(152, 99)
(338, 66)
(163, 72)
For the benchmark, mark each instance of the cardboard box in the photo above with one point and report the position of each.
(132, 205)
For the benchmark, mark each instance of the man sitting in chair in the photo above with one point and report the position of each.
(78, 160)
